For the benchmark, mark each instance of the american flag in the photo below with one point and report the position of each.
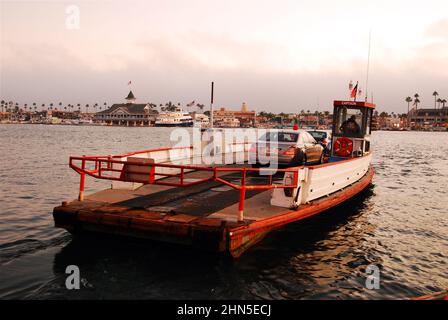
(354, 91)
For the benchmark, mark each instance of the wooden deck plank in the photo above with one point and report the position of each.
(255, 208)
(113, 196)
(119, 195)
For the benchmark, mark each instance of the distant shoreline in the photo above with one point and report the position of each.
(121, 126)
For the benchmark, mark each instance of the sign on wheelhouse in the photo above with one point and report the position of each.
(175, 195)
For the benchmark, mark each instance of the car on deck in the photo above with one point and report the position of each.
(287, 148)
(323, 137)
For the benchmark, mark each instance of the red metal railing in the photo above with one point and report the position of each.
(102, 167)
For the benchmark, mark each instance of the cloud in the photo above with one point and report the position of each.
(270, 64)
(438, 30)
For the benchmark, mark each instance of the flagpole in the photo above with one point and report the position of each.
(211, 105)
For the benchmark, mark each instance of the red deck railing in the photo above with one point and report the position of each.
(102, 167)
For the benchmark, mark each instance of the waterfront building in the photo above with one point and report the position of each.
(428, 118)
(226, 118)
(128, 114)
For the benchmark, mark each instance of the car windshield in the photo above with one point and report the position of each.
(318, 135)
(280, 136)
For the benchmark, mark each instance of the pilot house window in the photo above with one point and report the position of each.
(349, 122)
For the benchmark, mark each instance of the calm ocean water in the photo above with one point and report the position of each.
(400, 224)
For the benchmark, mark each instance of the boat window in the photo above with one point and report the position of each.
(280, 136)
(349, 122)
(308, 138)
(368, 121)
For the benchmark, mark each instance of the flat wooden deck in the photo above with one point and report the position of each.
(210, 199)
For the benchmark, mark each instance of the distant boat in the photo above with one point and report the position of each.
(85, 122)
(201, 121)
(177, 118)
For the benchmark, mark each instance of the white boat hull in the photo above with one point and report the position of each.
(322, 180)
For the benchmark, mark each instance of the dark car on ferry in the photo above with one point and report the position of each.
(288, 147)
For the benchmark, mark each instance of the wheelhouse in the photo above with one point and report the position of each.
(352, 126)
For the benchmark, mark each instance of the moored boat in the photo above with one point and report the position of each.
(172, 195)
(177, 118)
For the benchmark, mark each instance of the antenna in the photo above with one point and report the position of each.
(368, 65)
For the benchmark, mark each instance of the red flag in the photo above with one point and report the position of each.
(354, 91)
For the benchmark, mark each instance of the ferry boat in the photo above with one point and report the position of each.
(164, 195)
(201, 121)
(177, 118)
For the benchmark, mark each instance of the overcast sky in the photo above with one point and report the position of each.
(274, 55)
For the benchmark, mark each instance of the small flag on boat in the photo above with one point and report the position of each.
(354, 91)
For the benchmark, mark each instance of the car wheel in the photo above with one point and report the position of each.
(299, 159)
(321, 160)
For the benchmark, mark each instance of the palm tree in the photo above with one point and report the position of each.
(443, 103)
(2, 104)
(435, 94)
(416, 100)
(169, 106)
(408, 100)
